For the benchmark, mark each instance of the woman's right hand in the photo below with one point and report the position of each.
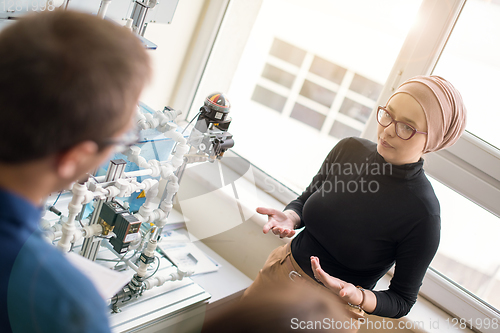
(280, 223)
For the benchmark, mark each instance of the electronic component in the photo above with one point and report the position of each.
(210, 136)
(107, 217)
(126, 230)
(214, 113)
(114, 217)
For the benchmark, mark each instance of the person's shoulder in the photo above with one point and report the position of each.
(426, 211)
(352, 147)
(355, 143)
(360, 142)
(51, 264)
(424, 192)
(57, 290)
(428, 229)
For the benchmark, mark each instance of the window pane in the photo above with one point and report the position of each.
(315, 62)
(307, 116)
(278, 75)
(327, 69)
(287, 52)
(469, 245)
(269, 98)
(366, 87)
(355, 110)
(340, 130)
(317, 93)
(471, 61)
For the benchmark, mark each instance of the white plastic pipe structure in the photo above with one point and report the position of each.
(87, 232)
(128, 24)
(180, 150)
(134, 245)
(159, 280)
(103, 8)
(46, 225)
(167, 204)
(145, 213)
(158, 120)
(81, 196)
(149, 251)
(123, 187)
(51, 235)
(126, 186)
(130, 174)
(148, 212)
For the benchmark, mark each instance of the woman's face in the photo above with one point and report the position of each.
(402, 107)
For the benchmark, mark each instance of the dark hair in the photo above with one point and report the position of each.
(280, 308)
(66, 77)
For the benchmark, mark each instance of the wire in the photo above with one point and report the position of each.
(185, 128)
(104, 237)
(118, 260)
(156, 270)
(92, 176)
(112, 260)
(121, 259)
(57, 198)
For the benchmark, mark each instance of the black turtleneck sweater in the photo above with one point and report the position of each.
(362, 215)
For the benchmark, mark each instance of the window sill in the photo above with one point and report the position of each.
(424, 316)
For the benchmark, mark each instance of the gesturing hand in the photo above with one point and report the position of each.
(281, 223)
(345, 290)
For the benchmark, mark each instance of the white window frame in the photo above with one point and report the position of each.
(197, 59)
(231, 36)
(471, 167)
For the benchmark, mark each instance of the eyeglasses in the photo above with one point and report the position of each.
(124, 142)
(403, 130)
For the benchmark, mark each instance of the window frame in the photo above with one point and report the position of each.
(231, 22)
(471, 167)
(198, 56)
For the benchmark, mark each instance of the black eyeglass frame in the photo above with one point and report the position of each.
(121, 144)
(414, 130)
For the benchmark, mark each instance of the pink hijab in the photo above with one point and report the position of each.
(443, 107)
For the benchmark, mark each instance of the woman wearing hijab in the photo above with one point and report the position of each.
(371, 206)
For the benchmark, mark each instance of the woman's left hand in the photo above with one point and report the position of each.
(345, 290)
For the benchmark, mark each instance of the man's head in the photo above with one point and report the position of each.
(66, 78)
(283, 307)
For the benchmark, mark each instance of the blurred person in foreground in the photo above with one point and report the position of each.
(69, 88)
(284, 307)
